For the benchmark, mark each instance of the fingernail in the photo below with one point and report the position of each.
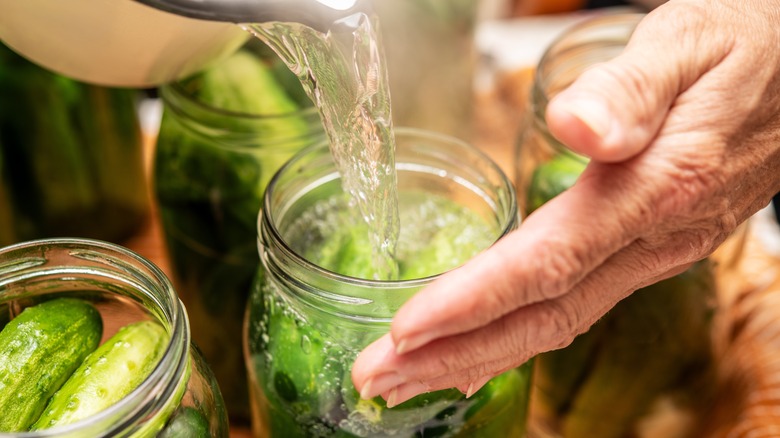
(391, 398)
(402, 347)
(379, 384)
(407, 391)
(593, 112)
(477, 385)
(368, 388)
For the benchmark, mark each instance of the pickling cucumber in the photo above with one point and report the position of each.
(39, 350)
(107, 375)
(186, 422)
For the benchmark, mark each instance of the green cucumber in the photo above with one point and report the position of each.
(107, 375)
(39, 350)
(422, 410)
(299, 368)
(553, 177)
(186, 422)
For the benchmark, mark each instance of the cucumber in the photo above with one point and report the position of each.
(107, 375)
(186, 422)
(39, 349)
(500, 408)
(299, 370)
(553, 177)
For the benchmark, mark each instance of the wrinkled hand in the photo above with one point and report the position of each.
(684, 134)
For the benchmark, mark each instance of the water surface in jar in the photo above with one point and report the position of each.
(344, 73)
(439, 235)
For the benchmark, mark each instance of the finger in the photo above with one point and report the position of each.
(615, 109)
(475, 385)
(551, 251)
(378, 369)
(459, 360)
(407, 391)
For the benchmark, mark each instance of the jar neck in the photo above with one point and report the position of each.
(453, 170)
(240, 130)
(32, 270)
(593, 41)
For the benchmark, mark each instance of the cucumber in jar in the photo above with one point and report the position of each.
(107, 375)
(301, 379)
(224, 133)
(39, 350)
(553, 177)
(186, 422)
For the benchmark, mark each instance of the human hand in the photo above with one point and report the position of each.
(684, 134)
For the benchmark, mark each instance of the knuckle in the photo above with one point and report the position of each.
(558, 267)
(452, 359)
(566, 318)
(555, 325)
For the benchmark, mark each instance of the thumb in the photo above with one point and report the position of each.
(613, 110)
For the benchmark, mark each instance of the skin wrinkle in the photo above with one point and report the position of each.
(469, 370)
(557, 266)
(566, 319)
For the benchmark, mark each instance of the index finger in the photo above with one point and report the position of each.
(554, 249)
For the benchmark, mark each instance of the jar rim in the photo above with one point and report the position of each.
(573, 51)
(611, 27)
(169, 373)
(245, 130)
(177, 90)
(507, 224)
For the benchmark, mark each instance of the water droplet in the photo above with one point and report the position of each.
(306, 344)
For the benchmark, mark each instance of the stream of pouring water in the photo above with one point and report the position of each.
(344, 73)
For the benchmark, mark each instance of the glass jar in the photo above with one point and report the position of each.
(73, 156)
(306, 324)
(210, 171)
(124, 288)
(650, 356)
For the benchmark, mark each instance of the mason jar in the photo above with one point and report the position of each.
(652, 354)
(314, 306)
(180, 396)
(211, 167)
(73, 156)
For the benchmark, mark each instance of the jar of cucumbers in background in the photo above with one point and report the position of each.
(106, 347)
(649, 358)
(313, 306)
(72, 156)
(224, 132)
